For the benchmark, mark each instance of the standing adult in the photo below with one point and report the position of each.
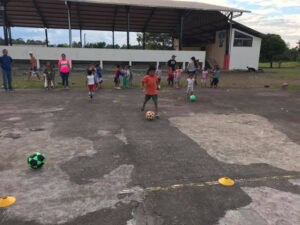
(33, 67)
(172, 63)
(64, 68)
(6, 65)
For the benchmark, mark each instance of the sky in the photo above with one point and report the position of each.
(267, 16)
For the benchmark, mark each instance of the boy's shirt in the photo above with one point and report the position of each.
(99, 72)
(217, 74)
(170, 74)
(151, 84)
(179, 73)
(117, 73)
(6, 62)
(190, 82)
(159, 73)
(91, 79)
(32, 62)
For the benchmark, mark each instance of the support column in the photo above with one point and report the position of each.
(113, 39)
(144, 40)
(101, 64)
(128, 26)
(228, 44)
(4, 18)
(81, 38)
(38, 63)
(9, 35)
(46, 35)
(69, 21)
(181, 32)
(183, 66)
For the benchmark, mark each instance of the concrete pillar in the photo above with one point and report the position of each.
(157, 64)
(38, 63)
(183, 66)
(101, 63)
(130, 63)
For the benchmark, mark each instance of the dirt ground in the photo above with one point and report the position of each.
(106, 164)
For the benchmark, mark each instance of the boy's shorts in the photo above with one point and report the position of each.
(178, 79)
(154, 97)
(33, 69)
(190, 89)
(91, 87)
(117, 80)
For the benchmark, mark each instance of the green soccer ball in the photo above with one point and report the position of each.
(36, 160)
(193, 98)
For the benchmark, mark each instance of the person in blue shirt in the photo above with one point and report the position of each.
(6, 65)
(216, 77)
(99, 75)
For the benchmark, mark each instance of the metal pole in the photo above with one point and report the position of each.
(69, 20)
(9, 35)
(181, 32)
(128, 25)
(113, 38)
(144, 40)
(81, 38)
(46, 35)
(3, 9)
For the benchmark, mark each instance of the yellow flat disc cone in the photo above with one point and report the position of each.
(226, 181)
(7, 201)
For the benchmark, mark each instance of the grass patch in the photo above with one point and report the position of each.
(272, 77)
(283, 65)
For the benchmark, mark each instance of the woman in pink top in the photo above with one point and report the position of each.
(64, 67)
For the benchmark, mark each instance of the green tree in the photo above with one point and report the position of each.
(159, 41)
(271, 48)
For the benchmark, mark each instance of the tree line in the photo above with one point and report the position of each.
(273, 47)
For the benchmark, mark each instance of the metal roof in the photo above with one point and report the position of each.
(157, 16)
(166, 4)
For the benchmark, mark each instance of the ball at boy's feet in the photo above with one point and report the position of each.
(36, 160)
(150, 115)
(193, 98)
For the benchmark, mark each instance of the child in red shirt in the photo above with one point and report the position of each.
(170, 77)
(151, 82)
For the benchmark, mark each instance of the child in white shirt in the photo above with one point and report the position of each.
(190, 85)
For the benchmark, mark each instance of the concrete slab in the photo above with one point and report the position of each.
(101, 157)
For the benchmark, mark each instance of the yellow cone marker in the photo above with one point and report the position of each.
(7, 201)
(226, 181)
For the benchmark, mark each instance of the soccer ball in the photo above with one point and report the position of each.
(150, 115)
(193, 98)
(36, 160)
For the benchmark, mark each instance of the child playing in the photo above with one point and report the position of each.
(170, 77)
(48, 74)
(212, 72)
(204, 77)
(151, 82)
(216, 77)
(99, 75)
(158, 73)
(190, 85)
(130, 75)
(178, 75)
(90, 83)
(125, 77)
(117, 77)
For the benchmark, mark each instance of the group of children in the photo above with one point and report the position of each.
(127, 77)
(94, 79)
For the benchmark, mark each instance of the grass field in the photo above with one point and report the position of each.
(283, 65)
(272, 77)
